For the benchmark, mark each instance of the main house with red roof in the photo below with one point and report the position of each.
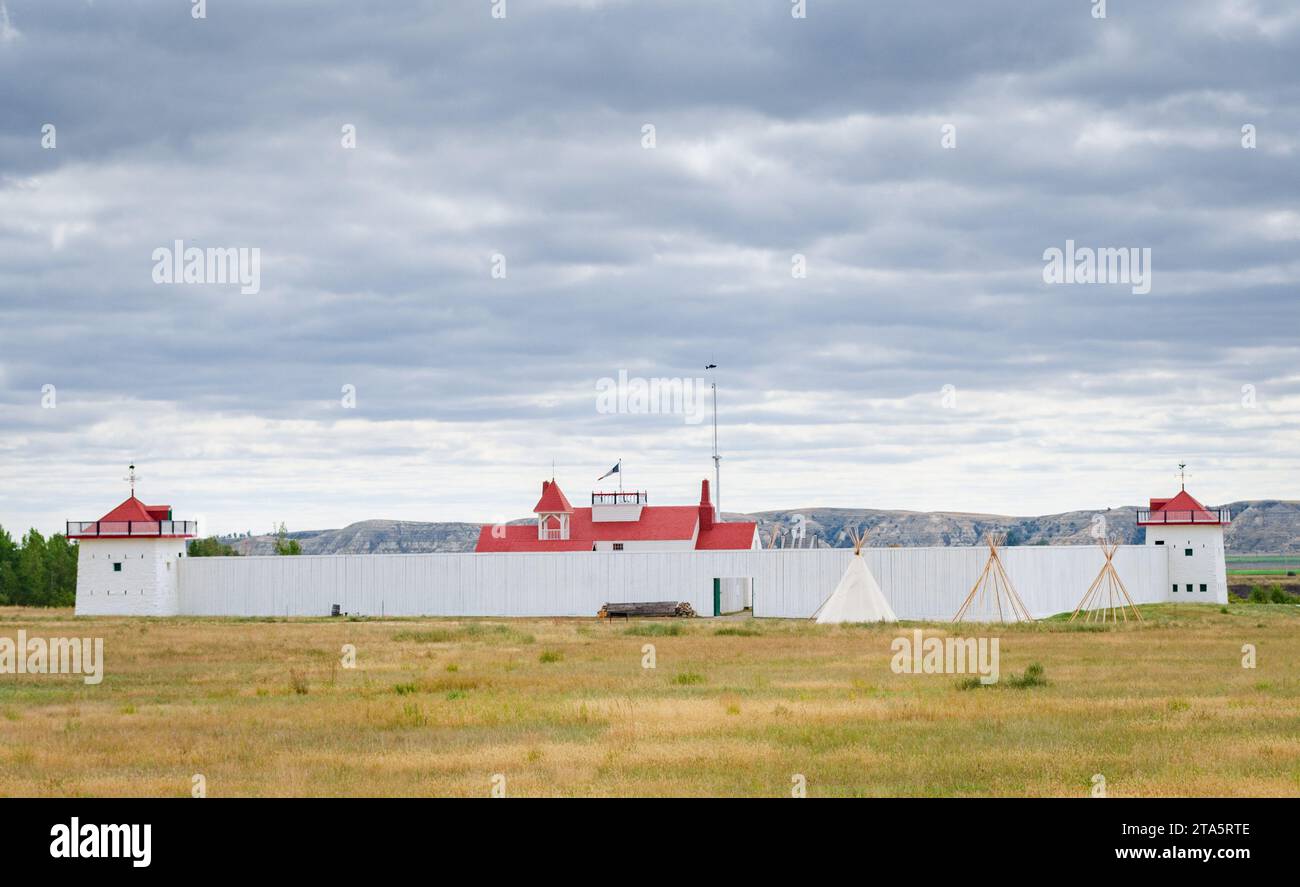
(619, 522)
(128, 560)
(1193, 538)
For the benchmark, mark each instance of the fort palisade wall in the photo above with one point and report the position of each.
(920, 583)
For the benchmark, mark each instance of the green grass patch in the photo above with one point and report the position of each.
(482, 632)
(655, 630)
(1033, 676)
(433, 636)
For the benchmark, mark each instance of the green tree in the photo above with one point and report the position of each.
(38, 573)
(285, 545)
(33, 577)
(211, 547)
(8, 584)
(61, 565)
(8, 568)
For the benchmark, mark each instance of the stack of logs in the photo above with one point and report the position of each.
(646, 608)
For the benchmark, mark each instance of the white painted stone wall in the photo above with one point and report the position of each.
(1205, 567)
(147, 584)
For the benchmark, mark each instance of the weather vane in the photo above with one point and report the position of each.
(1182, 475)
(131, 478)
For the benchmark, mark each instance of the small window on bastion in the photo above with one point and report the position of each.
(117, 567)
(1187, 552)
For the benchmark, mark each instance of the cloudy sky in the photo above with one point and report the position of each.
(846, 212)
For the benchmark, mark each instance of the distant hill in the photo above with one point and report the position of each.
(1268, 526)
(1263, 527)
(371, 537)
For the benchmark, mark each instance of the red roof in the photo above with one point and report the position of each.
(524, 538)
(135, 510)
(657, 523)
(133, 518)
(553, 499)
(1182, 509)
(727, 537)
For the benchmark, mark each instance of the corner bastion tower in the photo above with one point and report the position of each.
(127, 560)
(1193, 538)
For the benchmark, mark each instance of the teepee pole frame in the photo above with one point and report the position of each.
(1110, 580)
(995, 580)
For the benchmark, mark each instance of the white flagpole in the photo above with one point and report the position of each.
(717, 459)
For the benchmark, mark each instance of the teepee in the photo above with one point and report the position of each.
(858, 597)
(994, 583)
(1107, 594)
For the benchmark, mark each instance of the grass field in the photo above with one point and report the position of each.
(564, 707)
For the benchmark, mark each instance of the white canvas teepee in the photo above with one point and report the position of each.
(858, 597)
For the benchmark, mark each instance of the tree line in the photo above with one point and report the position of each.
(37, 572)
(40, 572)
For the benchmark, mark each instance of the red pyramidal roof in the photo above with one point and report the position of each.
(553, 500)
(1182, 509)
(135, 510)
(134, 518)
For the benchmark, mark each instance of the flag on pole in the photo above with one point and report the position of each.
(615, 470)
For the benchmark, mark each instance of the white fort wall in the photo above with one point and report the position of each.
(920, 583)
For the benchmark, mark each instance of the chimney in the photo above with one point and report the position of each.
(706, 507)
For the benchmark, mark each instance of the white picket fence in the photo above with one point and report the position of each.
(920, 583)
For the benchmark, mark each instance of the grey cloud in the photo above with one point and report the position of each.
(775, 137)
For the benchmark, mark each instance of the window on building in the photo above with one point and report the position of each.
(1175, 589)
(1204, 587)
(1160, 542)
(1187, 552)
(618, 546)
(117, 567)
(1189, 587)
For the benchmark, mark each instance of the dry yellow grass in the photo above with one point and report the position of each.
(564, 707)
